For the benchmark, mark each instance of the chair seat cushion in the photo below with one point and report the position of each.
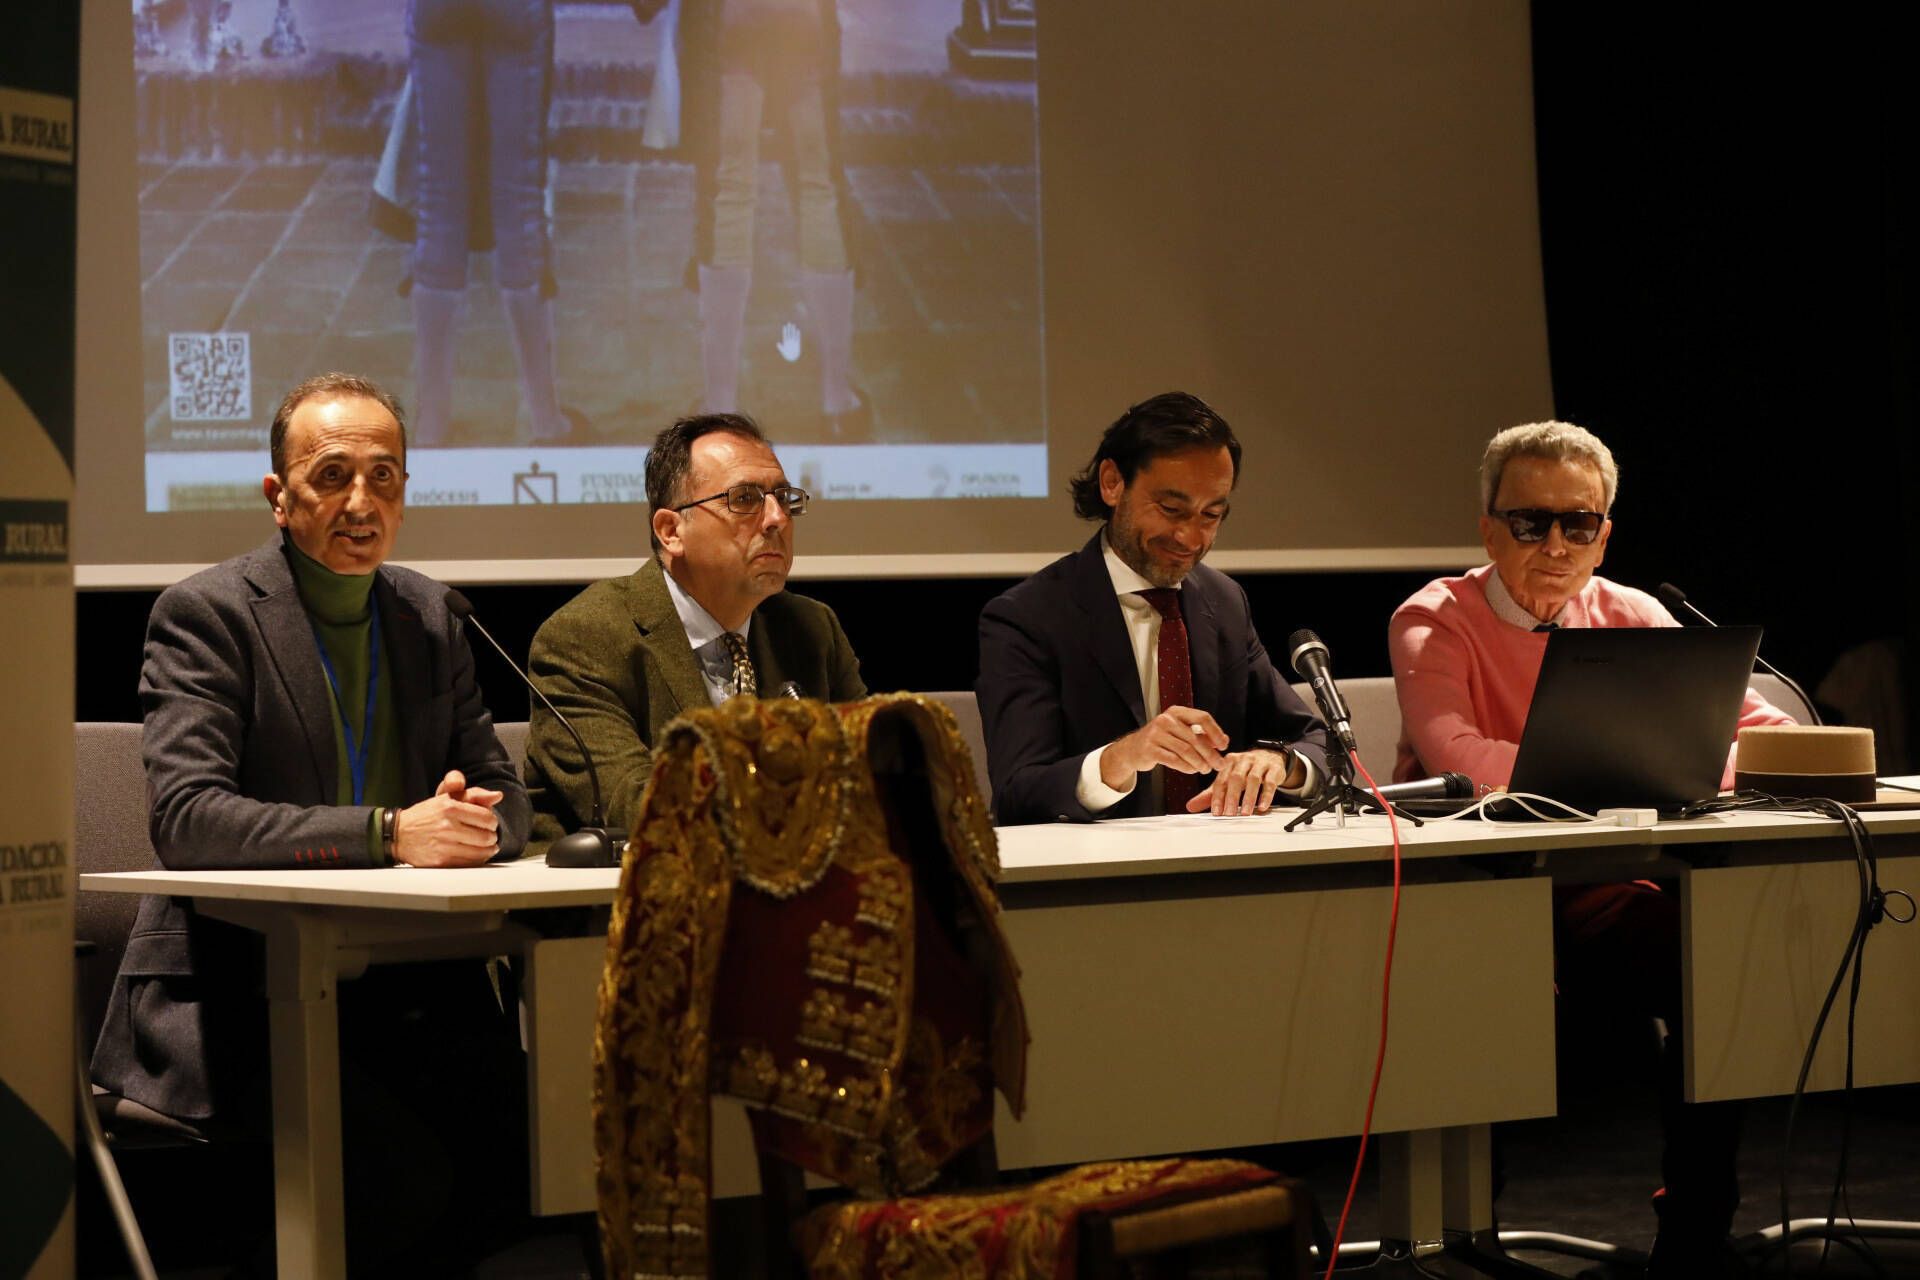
(1026, 1232)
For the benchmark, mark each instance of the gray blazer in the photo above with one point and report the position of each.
(242, 772)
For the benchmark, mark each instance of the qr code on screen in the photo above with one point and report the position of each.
(211, 377)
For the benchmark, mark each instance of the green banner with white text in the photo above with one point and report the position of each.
(39, 81)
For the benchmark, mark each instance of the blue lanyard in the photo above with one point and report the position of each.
(357, 747)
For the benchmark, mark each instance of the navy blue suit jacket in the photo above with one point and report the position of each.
(1057, 680)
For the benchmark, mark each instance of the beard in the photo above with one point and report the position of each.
(1134, 551)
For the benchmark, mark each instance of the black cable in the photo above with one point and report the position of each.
(1865, 916)
(1870, 909)
(1806, 1068)
(1868, 874)
(1862, 1246)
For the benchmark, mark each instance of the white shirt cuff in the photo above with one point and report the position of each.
(1094, 795)
(1309, 784)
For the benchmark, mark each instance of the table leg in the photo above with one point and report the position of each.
(1466, 1153)
(1411, 1182)
(560, 993)
(303, 1018)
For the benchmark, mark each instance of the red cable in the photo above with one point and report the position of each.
(1386, 989)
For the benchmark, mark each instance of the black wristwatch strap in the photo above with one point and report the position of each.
(389, 823)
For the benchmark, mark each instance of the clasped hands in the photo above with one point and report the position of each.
(455, 827)
(1188, 740)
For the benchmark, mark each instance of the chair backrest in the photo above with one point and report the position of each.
(966, 710)
(1777, 691)
(109, 834)
(1376, 720)
(513, 736)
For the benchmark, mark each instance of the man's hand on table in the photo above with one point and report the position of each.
(455, 828)
(1248, 781)
(1184, 739)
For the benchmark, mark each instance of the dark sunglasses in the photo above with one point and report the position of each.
(1532, 524)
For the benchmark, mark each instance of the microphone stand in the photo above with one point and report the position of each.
(596, 844)
(1338, 793)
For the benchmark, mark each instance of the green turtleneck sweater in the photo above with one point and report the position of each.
(341, 608)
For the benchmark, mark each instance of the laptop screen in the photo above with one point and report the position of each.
(1635, 716)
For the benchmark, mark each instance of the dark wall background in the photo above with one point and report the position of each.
(1727, 220)
(1727, 207)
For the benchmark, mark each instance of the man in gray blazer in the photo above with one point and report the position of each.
(707, 617)
(307, 706)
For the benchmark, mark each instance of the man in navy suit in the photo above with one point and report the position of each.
(1126, 679)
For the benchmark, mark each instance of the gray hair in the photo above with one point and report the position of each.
(1554, 442)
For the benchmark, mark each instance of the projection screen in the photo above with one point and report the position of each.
(934, 246)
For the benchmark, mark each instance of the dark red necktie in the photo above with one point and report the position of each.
(1176, 685)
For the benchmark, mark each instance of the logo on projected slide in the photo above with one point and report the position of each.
(613, 486)
(534, 487)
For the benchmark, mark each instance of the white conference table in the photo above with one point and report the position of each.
(1191, 983)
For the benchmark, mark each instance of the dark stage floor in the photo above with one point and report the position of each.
(1586, 1172)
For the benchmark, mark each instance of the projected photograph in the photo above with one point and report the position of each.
(552, 228)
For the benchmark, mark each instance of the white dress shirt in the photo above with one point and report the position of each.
(1143, 633)
(708, 639)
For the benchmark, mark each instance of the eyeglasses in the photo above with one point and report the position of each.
(1533, 524)
(751, 499)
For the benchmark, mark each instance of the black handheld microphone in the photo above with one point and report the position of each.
(597, 845)
(1676, 600)
(1307, 654)
(1445, 786)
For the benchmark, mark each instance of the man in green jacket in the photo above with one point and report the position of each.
(706, 618)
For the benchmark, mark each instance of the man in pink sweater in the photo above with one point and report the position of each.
(1466, 654)
(1467, 650)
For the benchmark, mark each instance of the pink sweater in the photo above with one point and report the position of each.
(1465, 678)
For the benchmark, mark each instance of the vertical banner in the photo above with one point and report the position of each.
(39, 80)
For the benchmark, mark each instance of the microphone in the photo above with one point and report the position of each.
(1676, 600)
(1444, 786)
(596, 845)
(1308, 656)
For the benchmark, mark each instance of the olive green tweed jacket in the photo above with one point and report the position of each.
(616, 661)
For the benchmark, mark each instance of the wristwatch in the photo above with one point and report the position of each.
(389, 833)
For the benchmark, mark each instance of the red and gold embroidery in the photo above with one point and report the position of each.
(828, 964)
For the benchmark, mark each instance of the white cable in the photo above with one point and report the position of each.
(1520, 799)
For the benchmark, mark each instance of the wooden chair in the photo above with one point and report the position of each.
(761, 821)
